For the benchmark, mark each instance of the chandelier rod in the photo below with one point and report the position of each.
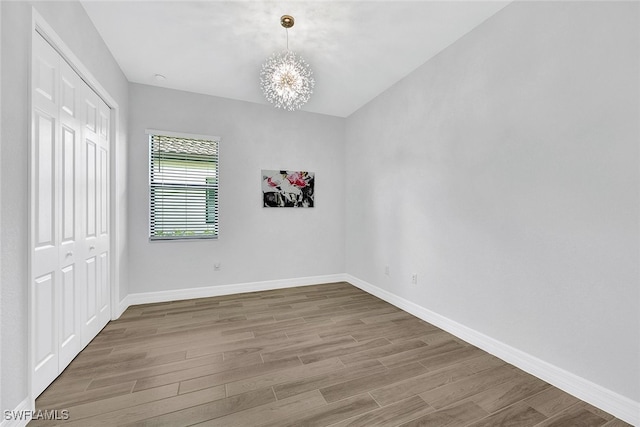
(287, 22)
(287, 31)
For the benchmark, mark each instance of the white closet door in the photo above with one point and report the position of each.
(70, 214)
(71, 277)
(95, 181)
(44, 201)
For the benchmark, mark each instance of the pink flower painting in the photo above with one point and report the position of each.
(287, 189)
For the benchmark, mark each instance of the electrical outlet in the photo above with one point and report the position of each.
(386, 270)
(216, 266)
(414, 279)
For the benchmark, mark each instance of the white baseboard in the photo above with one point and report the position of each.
(18, 417)
(620, 406)
(213, 291)
(122, 307)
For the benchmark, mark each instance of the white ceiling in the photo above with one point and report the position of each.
(356, 49)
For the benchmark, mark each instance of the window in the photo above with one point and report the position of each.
(183, 186)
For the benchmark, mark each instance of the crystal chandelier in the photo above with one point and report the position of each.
(285, 77)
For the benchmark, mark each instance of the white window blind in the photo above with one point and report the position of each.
(183, 187)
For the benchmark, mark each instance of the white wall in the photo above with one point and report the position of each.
(71, 23)
(255, 243)
(504, 172)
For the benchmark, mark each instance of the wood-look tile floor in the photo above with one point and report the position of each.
(325, 355)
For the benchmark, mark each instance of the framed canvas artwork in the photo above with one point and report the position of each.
(287, 189)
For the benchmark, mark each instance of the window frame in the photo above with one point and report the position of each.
(215, 211)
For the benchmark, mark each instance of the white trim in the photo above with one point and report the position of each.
(213, 291)
(122, 307)
(22, 408)
(620, 406)
(181, 135)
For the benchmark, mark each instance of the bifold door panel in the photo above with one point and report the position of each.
(70, 289)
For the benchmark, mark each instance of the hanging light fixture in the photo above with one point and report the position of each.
(286, 78)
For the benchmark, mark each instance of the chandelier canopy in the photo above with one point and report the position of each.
(286, 78)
